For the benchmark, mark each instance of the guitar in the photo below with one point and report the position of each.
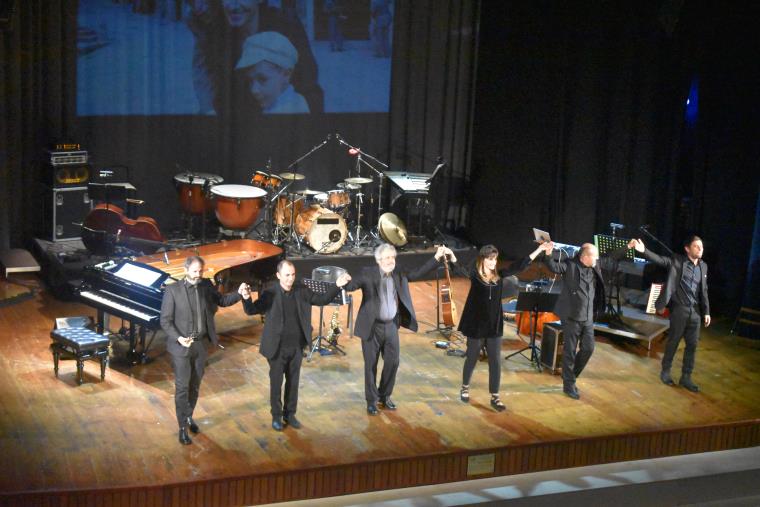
(446, 297)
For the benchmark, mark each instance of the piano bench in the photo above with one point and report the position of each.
(79, 343)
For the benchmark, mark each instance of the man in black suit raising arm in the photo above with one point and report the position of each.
(187, 317)
(581, 301)
(685, 294)
(386, 306)
(287, 330)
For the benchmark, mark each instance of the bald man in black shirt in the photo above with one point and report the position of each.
(287, 331)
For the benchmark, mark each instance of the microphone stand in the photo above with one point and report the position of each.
(309, 153)
(380, 174)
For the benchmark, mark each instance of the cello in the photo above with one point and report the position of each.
(106, 225)
(446, 297)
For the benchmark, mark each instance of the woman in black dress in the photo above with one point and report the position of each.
(481, 321)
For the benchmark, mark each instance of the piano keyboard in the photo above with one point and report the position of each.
(654, 293)
(117, 305)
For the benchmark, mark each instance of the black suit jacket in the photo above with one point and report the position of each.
(675, 265)
(368, 281)
(270, 304)
(177, 317)
(570, 304)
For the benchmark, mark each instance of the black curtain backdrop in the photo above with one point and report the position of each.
(579, 122)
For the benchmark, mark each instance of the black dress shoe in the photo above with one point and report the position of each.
(388, 403)
(372, 409)
(191, 424)
(277, 423)
(290, 420)
(184, 438)
(572, 392)
(666, 378)
(688, 384)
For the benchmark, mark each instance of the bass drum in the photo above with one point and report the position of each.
(327, 233)
(305, 219)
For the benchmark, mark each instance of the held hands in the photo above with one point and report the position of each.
(343, 280)
(245, 290)
(185, 341)
(637, 244)
(444, 250)
(545, 247)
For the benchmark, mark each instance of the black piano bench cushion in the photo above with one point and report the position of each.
(79, 343)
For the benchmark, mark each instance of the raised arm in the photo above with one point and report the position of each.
(520, 265)
(663, 262)
(261, 305)
(558, 267)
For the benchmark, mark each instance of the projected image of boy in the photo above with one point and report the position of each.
(268, 61)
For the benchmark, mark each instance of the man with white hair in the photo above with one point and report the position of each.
(386, 306)
(581, 301)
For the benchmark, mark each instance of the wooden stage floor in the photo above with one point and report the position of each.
(114, 442)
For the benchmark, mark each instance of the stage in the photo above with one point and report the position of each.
(114, 442)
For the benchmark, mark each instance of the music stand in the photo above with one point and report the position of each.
(331, 347)
(606, 244)
(534, 302)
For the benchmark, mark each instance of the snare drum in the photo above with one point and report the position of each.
(237, 206)
(192, 189)
(338, 199)
(259, 179)
(321, 199)
(325, 231)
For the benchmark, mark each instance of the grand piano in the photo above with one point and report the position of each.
(132, 289)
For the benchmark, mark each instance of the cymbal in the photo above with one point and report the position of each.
(308, 191)
(358, 180)
(392, 229)
(349, 186)
(291, 176)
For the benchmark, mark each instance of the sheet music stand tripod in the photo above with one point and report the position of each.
(534, 302)
(330, 346)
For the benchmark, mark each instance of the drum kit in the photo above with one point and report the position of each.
(324, 220)
(320, 219)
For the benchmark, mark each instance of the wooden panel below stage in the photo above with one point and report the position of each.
(114, 442)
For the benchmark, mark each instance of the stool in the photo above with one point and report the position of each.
(79, 343)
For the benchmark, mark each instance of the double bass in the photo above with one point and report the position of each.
(446, 296)
(107, 225)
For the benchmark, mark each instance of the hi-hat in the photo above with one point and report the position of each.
(308, 191)
(358, 180)
(349, 186)
(292, 176)
(392, 229)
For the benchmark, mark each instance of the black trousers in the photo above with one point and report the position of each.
(685, 322)
(287, 363)
(383, 340)
(493, 348)
(188, 373)
(577, 349)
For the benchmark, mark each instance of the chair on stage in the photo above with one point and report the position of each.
(73, 340)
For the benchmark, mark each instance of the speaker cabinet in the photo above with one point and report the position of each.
(63, 208)
(551, 347)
